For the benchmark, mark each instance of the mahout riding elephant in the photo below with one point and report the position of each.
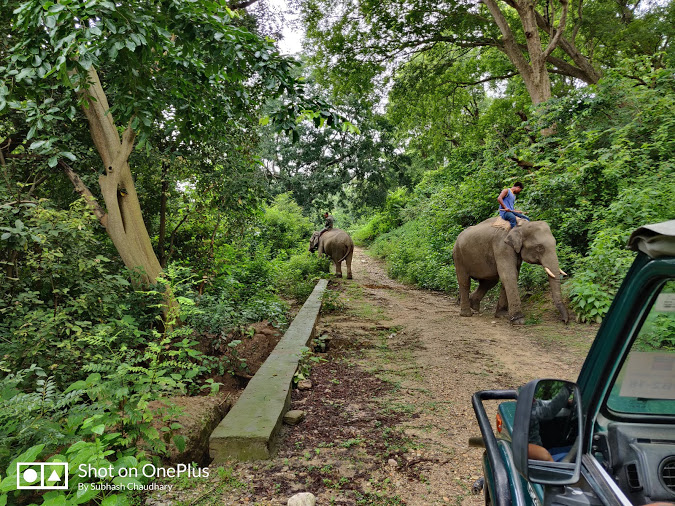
(337, 245)
(489, 254)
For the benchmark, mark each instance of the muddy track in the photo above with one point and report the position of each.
(454, 357)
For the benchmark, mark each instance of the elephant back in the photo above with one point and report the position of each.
(337, 234)
(336, 243)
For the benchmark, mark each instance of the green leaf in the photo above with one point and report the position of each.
(98, 429)
(29, 455)
(84, 495)
(57, 499)
(179, 441)
(115, 500)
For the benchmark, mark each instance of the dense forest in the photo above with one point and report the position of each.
(163, 167)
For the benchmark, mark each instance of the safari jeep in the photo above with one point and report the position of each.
(609, 438)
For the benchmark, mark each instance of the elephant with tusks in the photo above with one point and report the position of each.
(337, 245)
(488, 254)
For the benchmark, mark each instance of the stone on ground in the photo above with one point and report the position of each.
(294, 417)
(304, 384)
(302, 499)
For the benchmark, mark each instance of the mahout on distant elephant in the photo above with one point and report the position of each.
(336, 244)
(489, 253)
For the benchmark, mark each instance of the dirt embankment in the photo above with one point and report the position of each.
(389, 416)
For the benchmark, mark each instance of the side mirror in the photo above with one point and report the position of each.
(547, 432)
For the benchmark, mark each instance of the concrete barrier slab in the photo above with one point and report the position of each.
(249, 430)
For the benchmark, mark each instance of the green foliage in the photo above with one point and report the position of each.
(297, 276)
(388, 218)
(284, 227)
(87, 355)
(658, 333)
(61, 291)
(599, 275)
(326, 167)
(331, 302)
(413, 257)
(605, 170)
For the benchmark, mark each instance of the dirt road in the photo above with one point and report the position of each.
(453, 357)
(388, 414)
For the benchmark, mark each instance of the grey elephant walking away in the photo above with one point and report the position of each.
(337, 244)
(489, 254)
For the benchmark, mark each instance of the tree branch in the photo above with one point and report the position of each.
(557, 33)
(242, 5)
(508, 40)
(11, 142)
(588, 73)
(481, 81)
(82, 189)
(36, 182)
(338, 160)
(173, 234)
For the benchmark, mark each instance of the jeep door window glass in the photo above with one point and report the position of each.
(646, 383)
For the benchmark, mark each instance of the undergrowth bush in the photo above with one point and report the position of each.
(297, 276)
(85, 352)
(284, 227)
(412, 257)
(388, 218)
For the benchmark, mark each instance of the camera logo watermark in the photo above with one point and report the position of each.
(42, 475)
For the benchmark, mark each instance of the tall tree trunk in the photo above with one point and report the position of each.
(162, 214)
(125, 224)
(534, 73)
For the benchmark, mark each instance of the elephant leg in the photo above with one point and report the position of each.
(464, 283)
(502, 308)
(508, 274)
(483, 286)
(348, 261)
(338, 268)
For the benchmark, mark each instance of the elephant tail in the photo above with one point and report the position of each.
(350, 249)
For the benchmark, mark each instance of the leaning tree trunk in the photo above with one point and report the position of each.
(124, 222)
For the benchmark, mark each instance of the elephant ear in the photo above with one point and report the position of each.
(515, 239)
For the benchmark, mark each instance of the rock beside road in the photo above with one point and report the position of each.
(294, 417)
(302, 499)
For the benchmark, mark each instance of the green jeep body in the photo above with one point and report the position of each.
(627, 392)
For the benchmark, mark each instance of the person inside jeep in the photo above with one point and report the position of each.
(542, 411)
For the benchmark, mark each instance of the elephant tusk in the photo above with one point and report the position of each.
(548, 271)
(563, 272)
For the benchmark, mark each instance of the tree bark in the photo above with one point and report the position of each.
(124, 224)
(162, 214)
(82, 189)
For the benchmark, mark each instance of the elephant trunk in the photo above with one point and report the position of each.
(556, 291)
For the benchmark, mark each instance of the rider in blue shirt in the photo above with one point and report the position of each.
(507, 202)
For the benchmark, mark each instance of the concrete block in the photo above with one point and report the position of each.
(249, 430)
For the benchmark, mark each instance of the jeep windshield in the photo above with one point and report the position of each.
(646, 383)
